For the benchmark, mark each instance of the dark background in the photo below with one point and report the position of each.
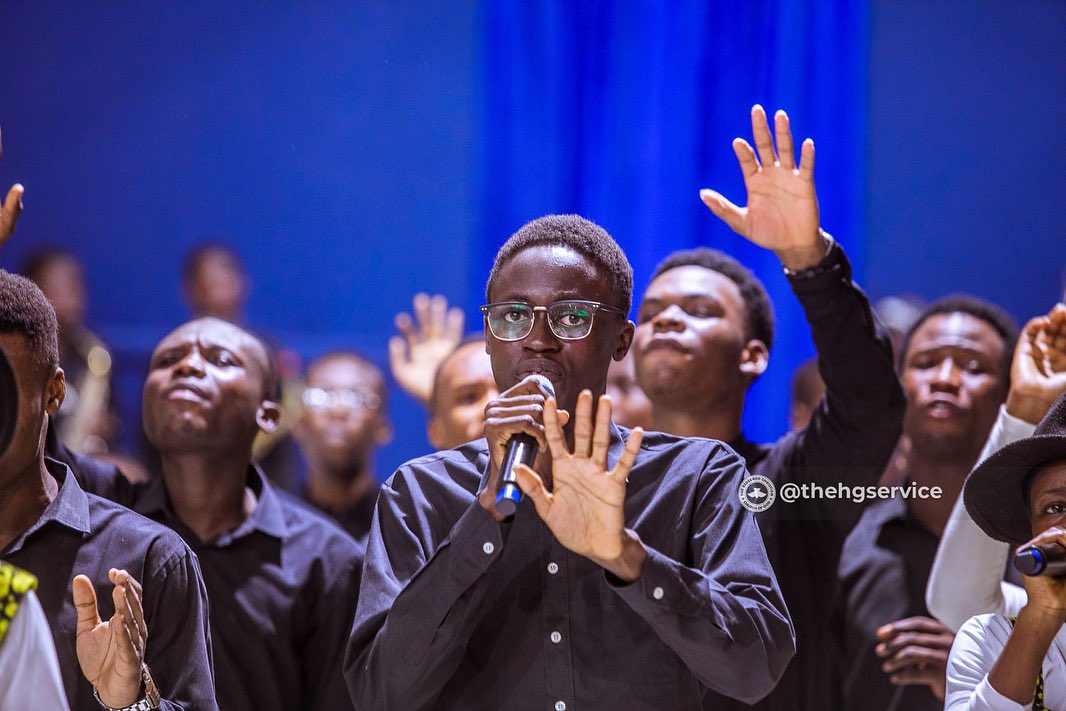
(357, 152)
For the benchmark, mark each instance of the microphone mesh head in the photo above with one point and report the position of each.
(544, 383)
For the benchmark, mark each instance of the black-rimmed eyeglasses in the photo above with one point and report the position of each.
(569, 320)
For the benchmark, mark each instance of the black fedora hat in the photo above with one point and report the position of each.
(995, 494)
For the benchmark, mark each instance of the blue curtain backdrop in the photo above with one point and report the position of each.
(621, 111)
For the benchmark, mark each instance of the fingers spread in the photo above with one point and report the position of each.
(85, 603)
(454, 323)
(760, 130)
(533, 486)
(601, 437)
(583, 424)
(806, 168)
(724, 210)
(785, 151)
(397, 352)
(406, 327)
(746, 157)
(629, 455)
(553, 430)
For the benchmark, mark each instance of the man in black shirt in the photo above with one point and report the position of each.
(124, 563)
(955, 369)
(342, 421)
(603, 590)
(283, 579)
(705, 327)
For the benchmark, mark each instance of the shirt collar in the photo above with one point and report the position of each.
(268, 516)
(70, 507)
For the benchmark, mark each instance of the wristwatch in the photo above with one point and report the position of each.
(151, 695)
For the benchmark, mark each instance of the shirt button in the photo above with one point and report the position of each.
(488, 548)
(553, 568)
(657, 593)
(560, 706)
(556, 638)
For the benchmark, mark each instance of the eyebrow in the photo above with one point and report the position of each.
(561, 296)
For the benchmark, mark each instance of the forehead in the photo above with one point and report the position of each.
(542, 274)
(469, 363)
(1051, 475)
(343, 372)
(693, 280)
(215, 333)
(18, 350)
(959, 330)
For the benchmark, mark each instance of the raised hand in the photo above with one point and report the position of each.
(915, 651)
(584, 509)
(110, 653)
(415, 355)
(1038, 371)
(782, 210)
(9, 213)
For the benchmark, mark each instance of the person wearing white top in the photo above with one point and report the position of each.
(1018, 496)
(967, 574)
(29, 670)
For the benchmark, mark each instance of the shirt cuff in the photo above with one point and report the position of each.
(832, 271)
(985, 696)
(662, 588)
(1013, 428)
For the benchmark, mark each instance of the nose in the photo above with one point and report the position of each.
(669, 319)
(541, 338)
(192, 363)
(946, 376)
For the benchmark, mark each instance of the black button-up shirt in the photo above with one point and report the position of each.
(355, 520)
(283, 588)
(883, 574)
(82, 533)
(460, 612)
(849, 440)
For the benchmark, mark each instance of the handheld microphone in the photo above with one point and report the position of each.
(1043, 559)
(521, 449)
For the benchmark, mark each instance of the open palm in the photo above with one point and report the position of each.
(584, 509)
(110, 652)
(782, 210)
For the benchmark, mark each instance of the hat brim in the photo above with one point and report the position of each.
(994, 494)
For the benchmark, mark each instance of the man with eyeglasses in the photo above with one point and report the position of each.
(628, 578)
(282, 579)
(343, 420)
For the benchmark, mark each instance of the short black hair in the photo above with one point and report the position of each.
(37, 262)
(994, 316)
(467, 340)
(360, 359)
(584, 237)
(752, 292)
(196, 257)
(26, 311)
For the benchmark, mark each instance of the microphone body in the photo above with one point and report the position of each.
(521, 449)
(1043, 559)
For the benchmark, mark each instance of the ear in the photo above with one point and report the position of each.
(268, 416)
(434, 433)
(754, 358)
(625, 340)
(55, 392)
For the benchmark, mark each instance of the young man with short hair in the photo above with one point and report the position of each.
(629, 577)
